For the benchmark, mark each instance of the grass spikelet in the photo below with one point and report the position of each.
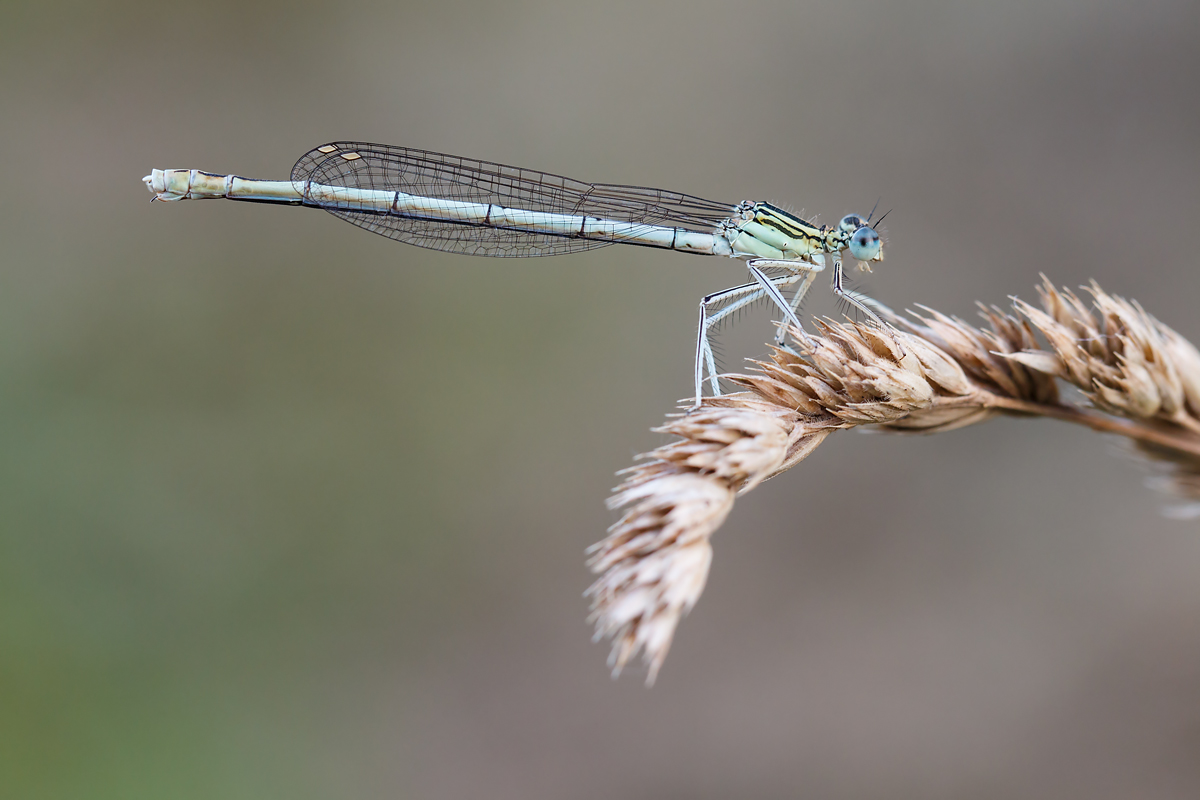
(1141, 380)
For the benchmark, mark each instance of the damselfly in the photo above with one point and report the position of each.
(462, 205)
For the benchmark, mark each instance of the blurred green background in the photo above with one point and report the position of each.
(290, 510)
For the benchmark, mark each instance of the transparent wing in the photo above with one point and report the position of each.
(426, 174)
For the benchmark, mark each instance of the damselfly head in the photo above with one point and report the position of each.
(864, 243)
(852, 222)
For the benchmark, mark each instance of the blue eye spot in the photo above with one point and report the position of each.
(864, 244)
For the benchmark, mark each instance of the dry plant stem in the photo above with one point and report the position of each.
(1141, 432)
(936, 374)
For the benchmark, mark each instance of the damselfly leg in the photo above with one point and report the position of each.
(730, 301)
(852, 297)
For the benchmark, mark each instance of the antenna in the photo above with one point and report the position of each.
(873, 211)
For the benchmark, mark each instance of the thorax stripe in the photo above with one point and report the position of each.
(794, 227)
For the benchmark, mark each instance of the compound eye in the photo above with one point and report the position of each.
(864, 244)
(851, 222)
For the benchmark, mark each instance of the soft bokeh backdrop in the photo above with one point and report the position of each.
(290, 510)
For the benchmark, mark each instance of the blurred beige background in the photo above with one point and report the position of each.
(291, 510)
